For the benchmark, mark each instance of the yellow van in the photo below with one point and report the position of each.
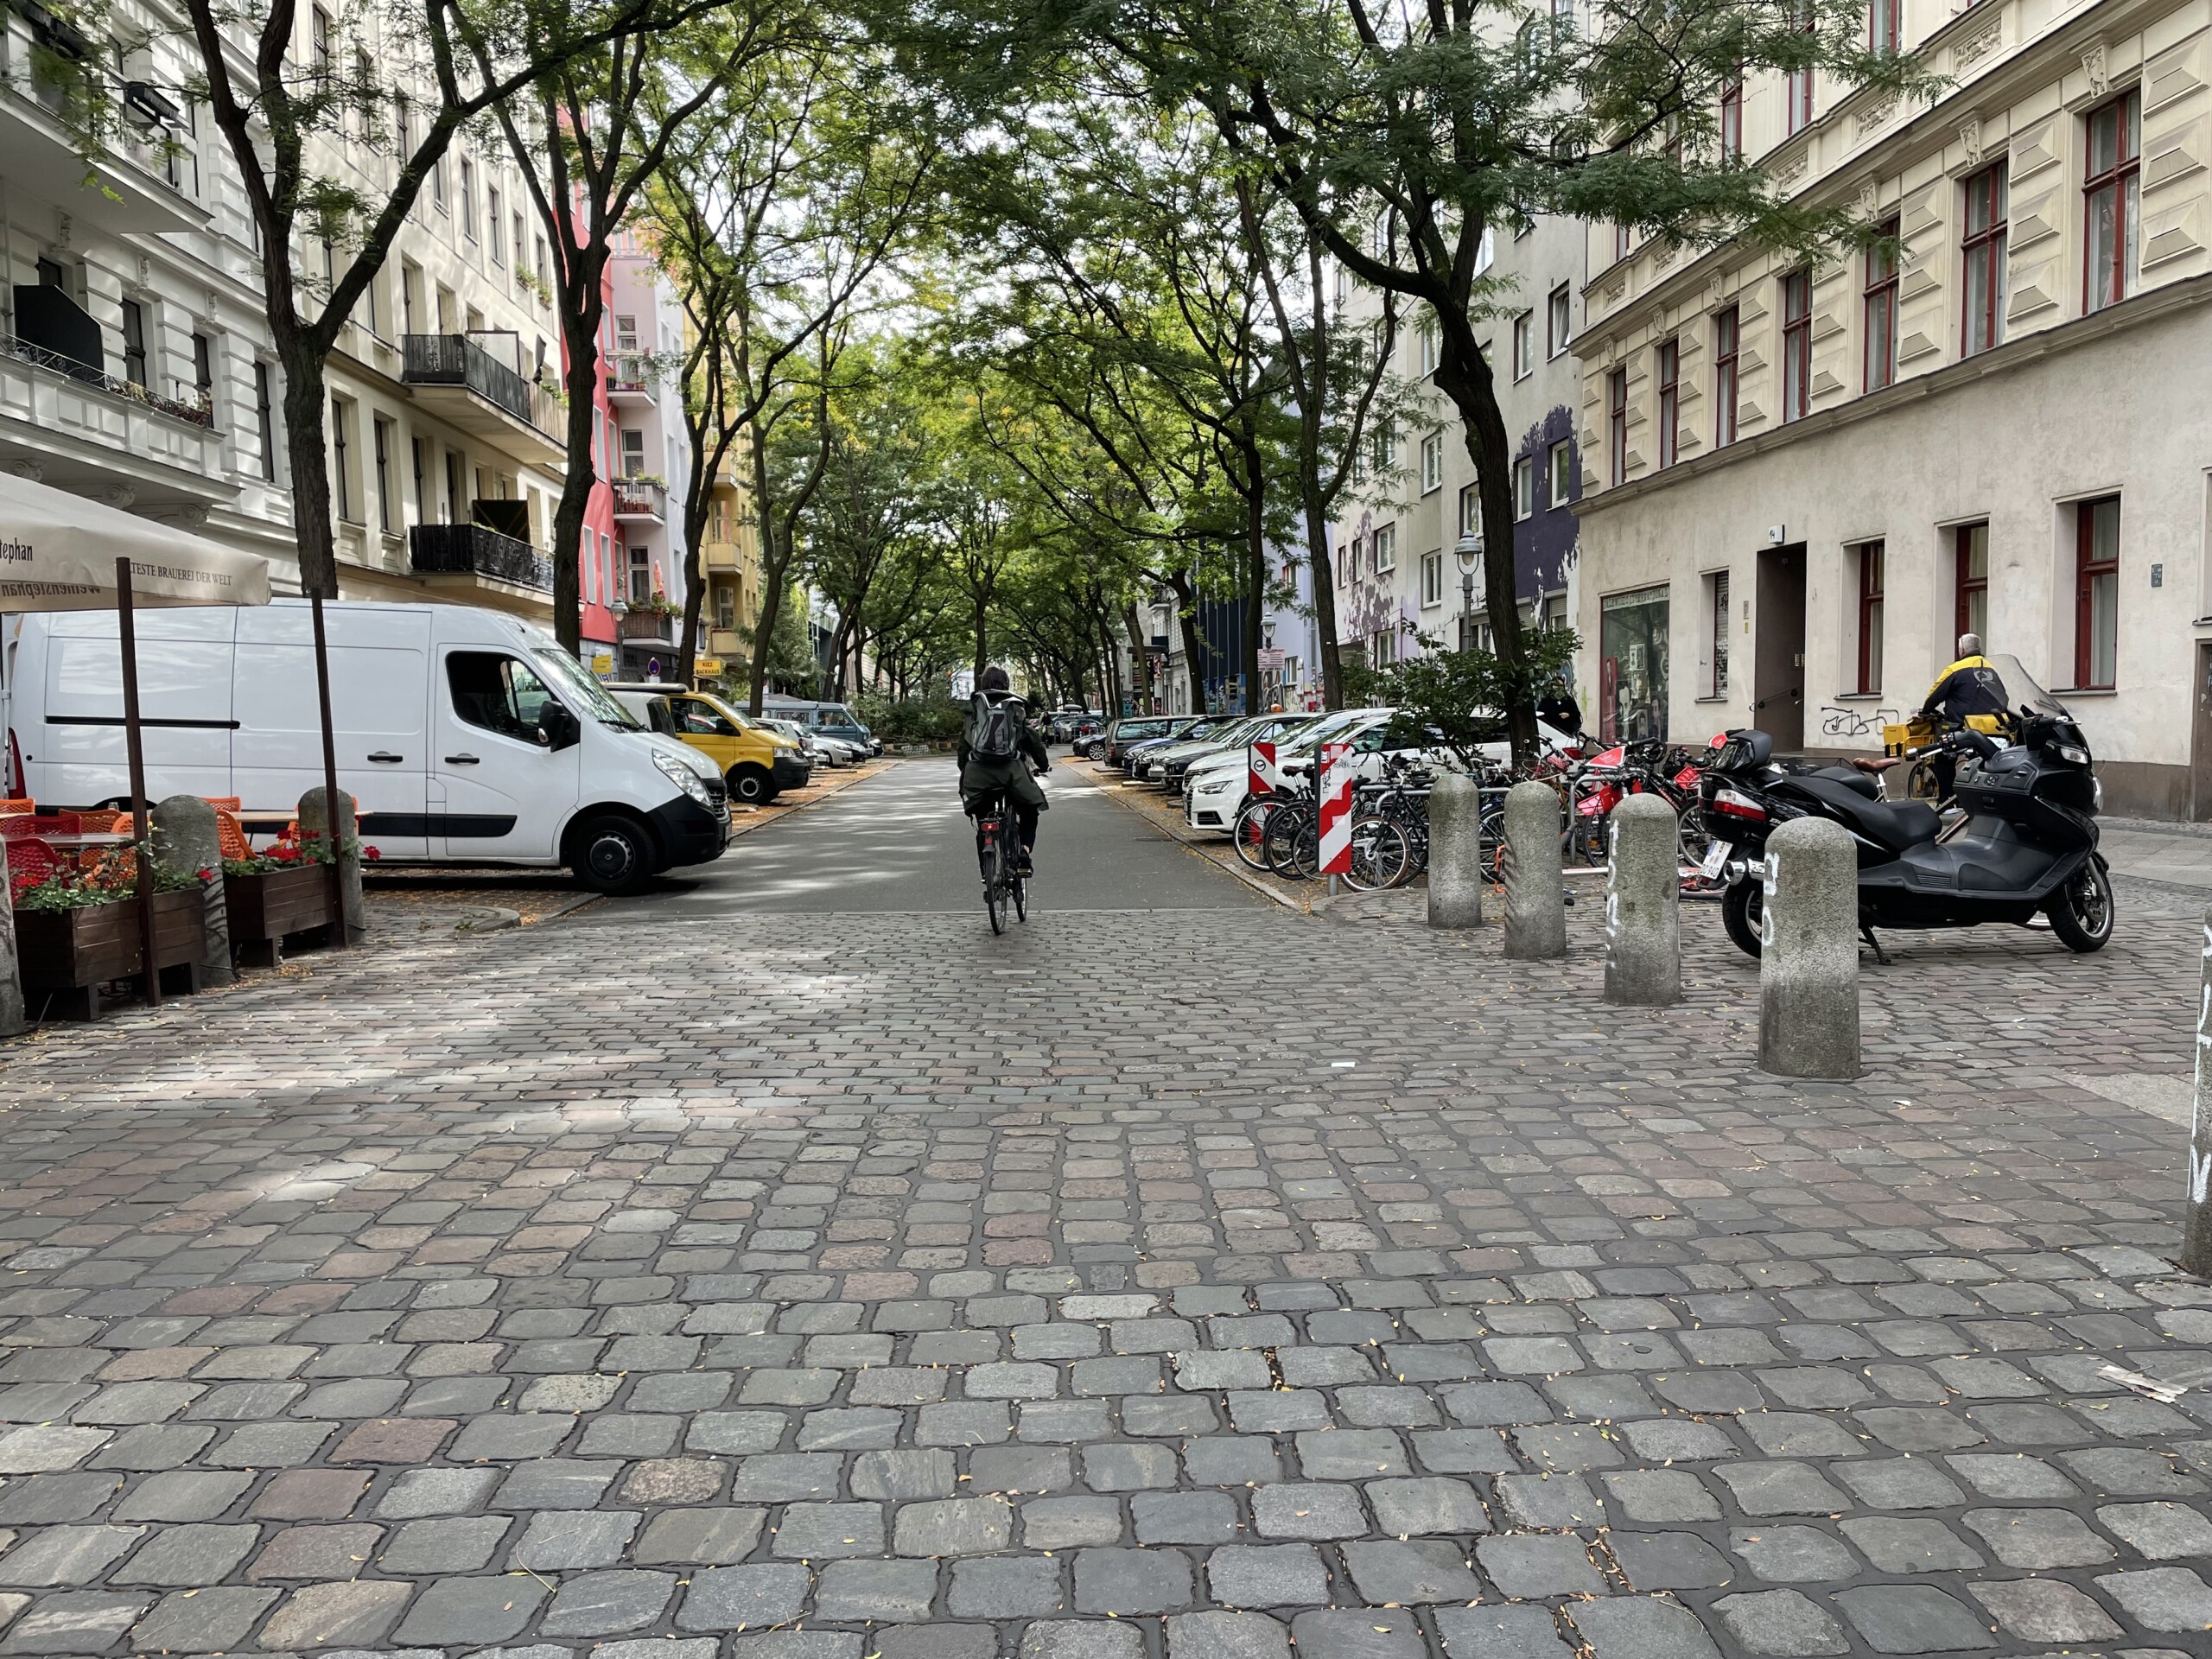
(759, 764)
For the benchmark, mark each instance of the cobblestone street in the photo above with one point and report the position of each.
(682, 1280)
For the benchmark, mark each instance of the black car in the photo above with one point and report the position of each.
(1125, 733)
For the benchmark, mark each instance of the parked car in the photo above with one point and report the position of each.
(821, 753)
(1142, 757)
(825, 720)
(1125, 733)
(1170, 765)
(1215, 790)
(465, 736)
(758, 765)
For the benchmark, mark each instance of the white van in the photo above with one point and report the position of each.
(467, 736)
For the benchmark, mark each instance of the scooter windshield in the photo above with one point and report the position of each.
(2022, 693)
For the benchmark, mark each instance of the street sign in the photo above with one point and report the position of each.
(1263, 778)
(1271, 659)
(707, 668)
(1337, 778)
(602, 663)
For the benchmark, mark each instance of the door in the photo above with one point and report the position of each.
(378, 677)
(505, 792)
(704, 727)
(2200, 741)
(1778, 659)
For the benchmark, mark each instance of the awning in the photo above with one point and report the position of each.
(57, 553)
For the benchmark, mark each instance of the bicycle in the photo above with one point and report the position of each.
(997, 830)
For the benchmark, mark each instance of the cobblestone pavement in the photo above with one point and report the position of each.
(1184, 1284)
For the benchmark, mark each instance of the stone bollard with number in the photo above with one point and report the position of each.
(1535, 898)
(1808, 952)
(1643, 885)
(2197, 1223)
(1455, 852)
(188, 839)
(312, 825)
(12, 1018)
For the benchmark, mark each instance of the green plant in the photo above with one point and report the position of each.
(1457, 696)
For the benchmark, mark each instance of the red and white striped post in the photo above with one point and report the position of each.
(1336, 777)
(1261, 776)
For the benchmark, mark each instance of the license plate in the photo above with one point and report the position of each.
(1716, 856)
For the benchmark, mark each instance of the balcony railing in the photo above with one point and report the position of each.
(636, 498)
(645, 625)
(630, 374)
(197, 410)
(473, 550)
(457, 361)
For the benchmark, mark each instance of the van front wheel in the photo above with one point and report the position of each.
(612, 854)
(752, 785)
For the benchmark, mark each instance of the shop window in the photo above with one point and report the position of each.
(1716, 633)
(1632, 665)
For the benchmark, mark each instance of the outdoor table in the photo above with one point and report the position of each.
(78, 840)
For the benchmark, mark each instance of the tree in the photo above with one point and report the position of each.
(299, 102)
(606, 120)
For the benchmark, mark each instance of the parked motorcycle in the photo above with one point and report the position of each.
(2021, 840)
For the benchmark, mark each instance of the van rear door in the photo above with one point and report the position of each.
(184, 701)
(379, 674)
(506, 793)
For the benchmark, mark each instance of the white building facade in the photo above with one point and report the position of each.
(642, 350)
(1802, 480)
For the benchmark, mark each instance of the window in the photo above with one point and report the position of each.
(437, 184)
(2096, 592)
(134, 343)
(1470, 511)
(1796, 344)
(495, 224)
(1726, 337)
(1716, 633)
(1985, 260)
(641, 576)
(1424, 348)
(1386, 550)
(1382, 648)
(1561, 471)
(1562, 21)
(1386, 449)
(1880, 309)
(633, 453)
(203, 368)
(386, 520)
(319, 41)
(1670, 399)
(2112, 193)
(1432, 579)
(1798, 83)
(1731, 122)
(1871, 561)
(498, 693)
(1622, 242)
(1970, 580)
(517, 246)
(725, 606)
(416, 450)
(1524, 487)
(625, 334)
(341, 446)
(701, 719)
(543, 267)
(1431, 462)
(1883, 25)
(264, 421)
(1617, 424)
(468, 198)
(1558, 317)
(1524, 346)
(453, 487)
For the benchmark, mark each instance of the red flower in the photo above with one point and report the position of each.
(370, 853)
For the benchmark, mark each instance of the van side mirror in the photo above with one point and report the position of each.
(559, 726)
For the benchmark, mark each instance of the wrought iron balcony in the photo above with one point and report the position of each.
(192, 407)
(474, 550)
(635, 498)
(458, 360)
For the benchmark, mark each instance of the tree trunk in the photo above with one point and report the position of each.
(1323, 578)
(1139, 660)
(982, 638)
(307, 449)
(1464, 378)
(581, 310)
(1255, 574)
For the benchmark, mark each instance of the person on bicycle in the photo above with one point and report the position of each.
(1968, 686)
(995, 760)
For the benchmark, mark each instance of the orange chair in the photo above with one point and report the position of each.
(15, 825)
(225, 803)
(10, 806)
(31, 857)
(231, 835)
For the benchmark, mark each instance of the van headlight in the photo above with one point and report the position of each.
(686, 778)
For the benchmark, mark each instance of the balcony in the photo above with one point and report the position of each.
(476, 550)
(186, 403)
(116, 195)
(720, 556)
(631, 380)
(638, 501)
(457, 379)
(647, 628)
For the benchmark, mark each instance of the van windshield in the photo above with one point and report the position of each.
(569, 674)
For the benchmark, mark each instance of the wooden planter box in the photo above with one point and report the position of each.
(265, 908)
(68, 956)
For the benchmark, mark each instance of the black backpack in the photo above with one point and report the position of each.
(994, 728)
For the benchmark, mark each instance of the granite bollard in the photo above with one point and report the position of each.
(188, 839)
(313, 823)
(1643, 931)
(1455, 852)
(1535, 898)
(12, 1018)
(1808, 952)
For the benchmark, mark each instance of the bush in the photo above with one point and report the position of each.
(914, 719)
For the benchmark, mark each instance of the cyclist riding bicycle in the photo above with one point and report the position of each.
(997, 753)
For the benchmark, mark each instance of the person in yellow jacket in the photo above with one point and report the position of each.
(1969, 686)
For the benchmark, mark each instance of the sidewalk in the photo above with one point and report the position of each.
(2179, 854)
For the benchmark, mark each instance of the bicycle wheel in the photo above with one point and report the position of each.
(1250, 832)
(1305, 860)
(1379, 856)
(1280, 840)
(1022, 897)
(995, 889)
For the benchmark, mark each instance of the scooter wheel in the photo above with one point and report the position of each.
(2082, 912)
(1742, 908)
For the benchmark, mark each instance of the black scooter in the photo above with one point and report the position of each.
(2025, 845)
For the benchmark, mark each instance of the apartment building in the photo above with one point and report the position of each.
(135, 367)
(730, 610)
(652, 474)
(1409, 537)
(1802, 480)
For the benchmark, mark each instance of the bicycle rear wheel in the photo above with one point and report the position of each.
(1280, 842)
(1249, 833)
(1379, 856)
(995, 885)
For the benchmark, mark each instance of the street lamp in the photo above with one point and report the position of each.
(1469, 552)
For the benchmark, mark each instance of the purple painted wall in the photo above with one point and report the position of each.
(1544, 541)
